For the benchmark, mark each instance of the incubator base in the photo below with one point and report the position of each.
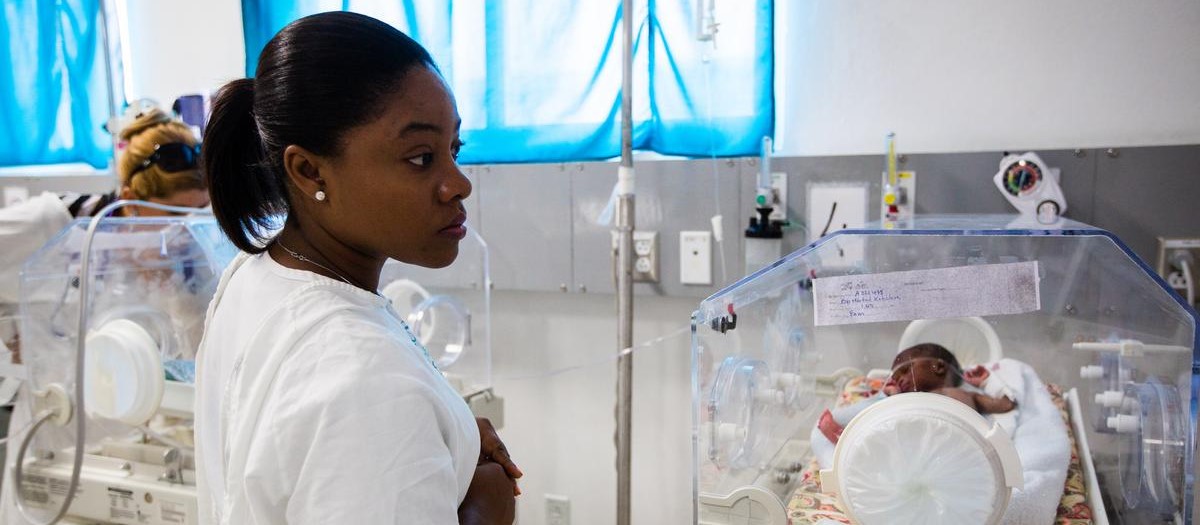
(115, 488)
(746, 506)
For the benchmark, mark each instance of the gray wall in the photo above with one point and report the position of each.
(540, 219)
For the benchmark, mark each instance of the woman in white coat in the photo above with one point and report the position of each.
(315, 404)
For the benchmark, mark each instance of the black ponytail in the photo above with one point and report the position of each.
(245, 194)
(317, 78)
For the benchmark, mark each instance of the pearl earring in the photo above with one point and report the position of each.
(320, 196)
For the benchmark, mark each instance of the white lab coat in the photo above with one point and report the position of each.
(24, 228)
(316, 405)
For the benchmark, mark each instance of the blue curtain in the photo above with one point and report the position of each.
(540, 81)
(53, 88)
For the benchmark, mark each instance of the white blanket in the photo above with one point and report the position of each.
(1045, 451)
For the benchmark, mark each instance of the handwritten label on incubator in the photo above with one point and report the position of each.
(988, 289)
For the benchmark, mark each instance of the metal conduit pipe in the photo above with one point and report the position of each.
(625, 225)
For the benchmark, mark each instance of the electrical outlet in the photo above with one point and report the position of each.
(1174, 254)
(558, 510)
(645, 256)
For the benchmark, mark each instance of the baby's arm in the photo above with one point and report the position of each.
(982, 403)
(986, 404)
(967, 398)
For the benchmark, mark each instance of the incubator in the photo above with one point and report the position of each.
(1097, 353)
(449, 310)
(140, 287)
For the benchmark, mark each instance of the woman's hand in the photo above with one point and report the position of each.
(489, 499)
(491, 449)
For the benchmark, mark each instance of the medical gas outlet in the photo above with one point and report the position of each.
(1031, 187)
(898, 201)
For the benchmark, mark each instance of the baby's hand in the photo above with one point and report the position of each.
(891, 388)
(976, 376)
(830, 428)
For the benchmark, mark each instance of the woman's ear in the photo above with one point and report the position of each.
(303, 169)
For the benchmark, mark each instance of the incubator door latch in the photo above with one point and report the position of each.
(173, 460)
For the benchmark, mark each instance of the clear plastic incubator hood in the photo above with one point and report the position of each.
(146, 287)
(449, 310)
(805, 410)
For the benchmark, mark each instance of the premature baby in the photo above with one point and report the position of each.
(929, 367)
(926, 367)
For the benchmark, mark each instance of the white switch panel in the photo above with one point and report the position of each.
(779, 197)
(14, 195)
(558, 510)
(695, 257)
(833, 207)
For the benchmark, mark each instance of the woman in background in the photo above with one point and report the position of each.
(159, 163)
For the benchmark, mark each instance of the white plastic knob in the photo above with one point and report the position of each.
(728, 432)
(1091, 372)
(1125, 424)
(787, 380)
(1110, 399)
(770, 396)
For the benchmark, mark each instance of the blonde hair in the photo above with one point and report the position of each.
(150, 128)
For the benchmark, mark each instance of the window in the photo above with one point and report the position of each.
(54, 88)
(541, 81)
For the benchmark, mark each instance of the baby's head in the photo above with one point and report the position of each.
(926, 367)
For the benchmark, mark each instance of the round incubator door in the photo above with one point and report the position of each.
(124, 377)
(737, 411)
(1153, 447)
(921, 458)
(443, 325)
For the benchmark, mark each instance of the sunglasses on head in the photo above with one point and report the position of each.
(171, 157)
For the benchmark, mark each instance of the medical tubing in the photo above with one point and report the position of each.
(81, 340)
(17, 475)
(599, 361)
(1186, 267)
(712, 155)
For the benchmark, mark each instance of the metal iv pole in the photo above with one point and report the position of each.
(625, 223)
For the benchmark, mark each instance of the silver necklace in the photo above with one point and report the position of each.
(299, 257)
